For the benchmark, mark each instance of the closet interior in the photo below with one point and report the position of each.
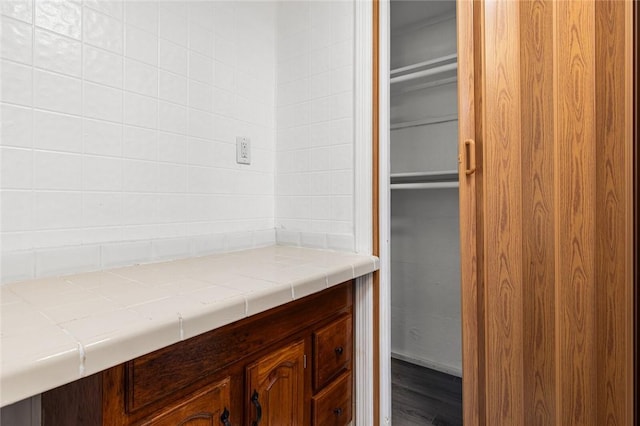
(425, 242)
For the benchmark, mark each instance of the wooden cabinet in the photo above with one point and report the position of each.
(285, 366)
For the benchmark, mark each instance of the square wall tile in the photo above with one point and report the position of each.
(137, 209)
(17, 168)
(200, 68)
(102, 102)
(172, 118)
(57, 53)
(102, 209)
(56, 210)
(140, 110)
(102, 138)
(102, 30)
(102, 173)
(139, 176)
(172, 57)
(17, 126)
(141, 45)
(16, 40)
(200, 96)
(57, 171)
(142, 14)
(141, 78)
(57, 132)
(173, 23)
(109, 7)
(101, 66)
(16, 81)
(61, 260)
(18, 9)
(61, 16)
(201, 40)
(171, 148)
(172, 87)
(18, 266)
(19, 217)
(56, 92)
(140, 143)
(119, 254)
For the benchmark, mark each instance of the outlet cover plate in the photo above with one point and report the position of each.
(243, 150)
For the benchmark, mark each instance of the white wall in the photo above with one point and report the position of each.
(314, 172)
(118, 131)
(425, 237)
(425, 278)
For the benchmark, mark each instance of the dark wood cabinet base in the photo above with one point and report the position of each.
(290, 356)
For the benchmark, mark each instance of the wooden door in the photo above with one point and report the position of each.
(547, 216)
(207, 407)
(275, 388)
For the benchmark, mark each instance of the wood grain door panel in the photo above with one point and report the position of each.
(275, 387)
(546, 91)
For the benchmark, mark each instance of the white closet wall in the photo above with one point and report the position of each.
(425, 250)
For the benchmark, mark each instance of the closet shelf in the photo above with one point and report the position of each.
(441, 176)
(425, 122)
(435, 72)
(425, 185)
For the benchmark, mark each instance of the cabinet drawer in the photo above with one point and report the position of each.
(332, 406)
(332, 348)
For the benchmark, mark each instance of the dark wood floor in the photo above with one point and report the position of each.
(424, 397)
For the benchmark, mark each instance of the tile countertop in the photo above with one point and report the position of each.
(56, 330)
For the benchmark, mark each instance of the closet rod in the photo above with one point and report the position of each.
(432, 174)
(425, 185)
(426, 73)
(448, 58)
(425, 122)
(421, 86)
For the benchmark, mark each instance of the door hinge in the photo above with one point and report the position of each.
(304, 360)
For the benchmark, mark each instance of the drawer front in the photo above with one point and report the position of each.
(332, 346)
(332, 406)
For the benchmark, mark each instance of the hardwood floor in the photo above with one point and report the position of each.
(424, 397)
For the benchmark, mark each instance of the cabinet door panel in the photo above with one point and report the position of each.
(275, 387)
(205, 408)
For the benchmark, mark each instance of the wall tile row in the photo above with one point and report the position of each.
(119, 121)
(315, 133)
(118, 127)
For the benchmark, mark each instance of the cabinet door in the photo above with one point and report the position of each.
(206, 407)
(275, 388)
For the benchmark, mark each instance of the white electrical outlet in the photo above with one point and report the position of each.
(243, 150)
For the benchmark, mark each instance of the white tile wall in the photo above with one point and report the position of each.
(119, 121)
(315, 137)
(118, 131)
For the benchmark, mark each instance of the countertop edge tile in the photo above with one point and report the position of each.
(211, 316)
(22, 381)
(305, 271)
